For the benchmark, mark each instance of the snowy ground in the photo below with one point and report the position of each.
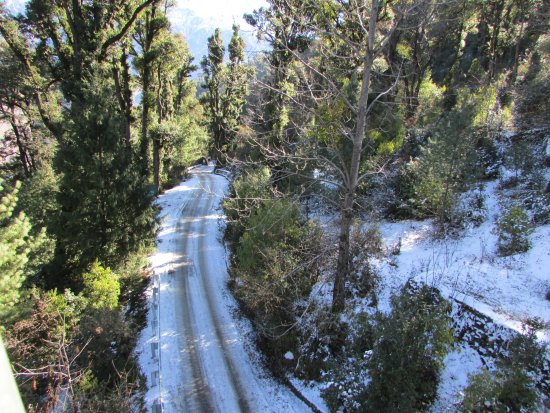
(195, 355)
(510, 290)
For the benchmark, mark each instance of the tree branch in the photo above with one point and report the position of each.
(112, 40)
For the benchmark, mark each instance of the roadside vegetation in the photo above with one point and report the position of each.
(377, 112)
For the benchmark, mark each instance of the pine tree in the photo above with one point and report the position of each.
(236, 85)
(106, 207)
(213, 69)
(164, 65)
(226, 89)
(147, 31)
(16, 244)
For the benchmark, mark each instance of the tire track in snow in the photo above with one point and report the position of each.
(205, 366)
(198, 397)
(194, 268)
(206, 282)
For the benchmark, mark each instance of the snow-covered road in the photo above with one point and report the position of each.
(193, 353)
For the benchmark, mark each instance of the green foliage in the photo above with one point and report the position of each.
(520, 159)
(38, 197)
(408, 353)
(21, 253)
(106, 207)
(43, 341)
(347, 374)
(176, 132)
(276, 265)
(226, 89)
(498, 392)
(275, 224)
(446, 164)
(430, 100)
(346, 384)
(14, 250)
(248, 192)
(512, 387)
(101, 287)
(513, 228)
(532, 91)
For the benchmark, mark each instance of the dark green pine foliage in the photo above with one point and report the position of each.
(410, 345)
(172, 70)
(106, 206)
(236, 84)
(148, 29)
(226, 89)
(212, 66)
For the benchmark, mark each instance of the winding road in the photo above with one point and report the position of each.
(193, 352)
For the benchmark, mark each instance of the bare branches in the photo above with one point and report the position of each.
(124, 30)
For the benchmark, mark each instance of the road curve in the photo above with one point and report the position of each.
(192, 352)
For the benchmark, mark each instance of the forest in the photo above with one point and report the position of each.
(369, 112)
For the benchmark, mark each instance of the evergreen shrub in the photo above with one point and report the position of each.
(511, 388)
(102, 287)
(408, 352)
(248, 192)
(275, 267)
(513, 229)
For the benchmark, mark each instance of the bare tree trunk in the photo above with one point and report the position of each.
(344, 258)
(127, 94)
(21, 145)
(146, 84)
(156, 163)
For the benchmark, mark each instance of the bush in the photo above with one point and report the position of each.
(498, 392)
(274, 252)
(323, 337)
(22, 253)
(513, 232)
(275, 266)
(512, 388)
(346, 384)
(347, 375)
(408, 352)
(101, 287)
(364, 244)
(248, 192)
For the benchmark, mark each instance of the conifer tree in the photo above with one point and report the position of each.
(164, 65)
(226, 89)
(106, 207)
(147, 31)
(16, 243)
(213, 69)
(171, 70)
(236, 84)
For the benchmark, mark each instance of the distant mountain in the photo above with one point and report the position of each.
(15, 6)
(197, 30)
